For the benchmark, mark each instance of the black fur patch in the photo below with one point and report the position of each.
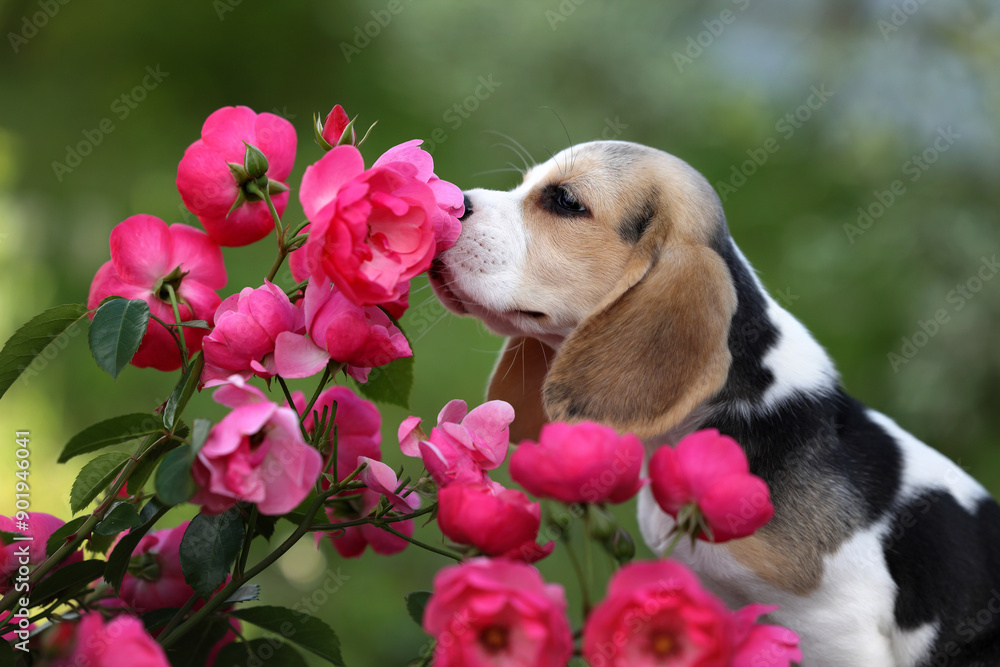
(751, 332)
(637, 220)
(946, 563)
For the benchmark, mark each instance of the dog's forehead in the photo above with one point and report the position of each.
(597, 159)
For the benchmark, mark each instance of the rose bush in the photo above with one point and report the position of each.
(312, 461)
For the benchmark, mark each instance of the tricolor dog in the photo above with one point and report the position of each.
(626, 301)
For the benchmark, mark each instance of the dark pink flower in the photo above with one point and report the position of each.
(657, 613)
(356, 426)
(246, 325)
(146, 255)
(121, 641)
(351, 542)
(449, 197)
(579, 463)
(462, 445)
(371, 231)
(497, 612)
(335, 124)
(256, 454)
(27, 553)
(763, 645)
(361, 336)
(154, 579)
(710, 470)
(497, 521)
(209, 188)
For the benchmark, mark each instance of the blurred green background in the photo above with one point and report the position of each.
(804, 115)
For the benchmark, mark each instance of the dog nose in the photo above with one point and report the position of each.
(468, 208)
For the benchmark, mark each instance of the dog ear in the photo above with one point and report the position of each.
(654, 350)
(517, 379)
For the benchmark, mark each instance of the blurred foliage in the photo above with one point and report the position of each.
(716, 83)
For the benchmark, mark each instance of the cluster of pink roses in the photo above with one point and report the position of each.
(499, 611)
(369, 232)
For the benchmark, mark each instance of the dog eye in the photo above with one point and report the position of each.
(568, 202)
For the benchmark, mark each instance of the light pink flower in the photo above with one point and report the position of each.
(335, 124)
(657, 613)
(40, 527)
(763, 645)
(497, 612)
(710, 470)
(209, 188)
(449, 197)
(256, 454)
(360, 336)
(371, 231)
(121, 641)
(579, 463)
(462, 445)
(145, 254)
(246, 325)
(497, 521)
(381, 479)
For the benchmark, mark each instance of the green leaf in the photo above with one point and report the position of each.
(181, 394)
(174, 484)
(151, 456)
(94, 478)
(122, 553)
(198, 643)
(416, 602)
(73, 576)
(307, 631)
(55, 325)
(199, 434)
(121, 517)
(391, 383)
(252, 652)
(109, 432)
(115, 333)
(209, 548)
(60, 534)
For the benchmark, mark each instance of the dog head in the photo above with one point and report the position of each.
(600, 268)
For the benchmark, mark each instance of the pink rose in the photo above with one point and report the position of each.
(335, 124)
(497, 612)
(462, 445)
(711, 471)
(449, 197)
(763, 645)
(579, 463)
(208, 187)
(657, 613)
(246, 325)
(145, 256)
(120, 641)
(256, 454)
(351, 542)
(40, 527)
(356, 424)
(360, 336)
(154, 579)
(371, 231)
(497, 521)
(381, 479)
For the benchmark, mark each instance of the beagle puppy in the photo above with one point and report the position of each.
(626, 302)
